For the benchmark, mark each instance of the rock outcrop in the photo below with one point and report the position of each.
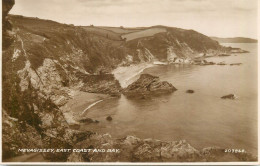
(235, 64)
(88, 121)
(221, 63)
(133, 149)
(6, 24)
(190, 91)
(109, 118)
(16, 135)
(202, 62)
(230, 96)
(148, 84)
(224, 55)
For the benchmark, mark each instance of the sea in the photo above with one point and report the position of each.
(202, 118)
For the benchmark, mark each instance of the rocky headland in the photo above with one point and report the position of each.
(147, 85)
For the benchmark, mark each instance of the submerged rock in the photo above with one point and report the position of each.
(224, 55)
(235, 64)
(210, 63)
(148, 84)
(230, 96)
(109, 118)
(202, 62)
(221, 63)
(88, 120)
(238, 50)
(190, 91)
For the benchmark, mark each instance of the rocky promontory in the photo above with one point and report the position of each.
(134, 149)
(148, 84)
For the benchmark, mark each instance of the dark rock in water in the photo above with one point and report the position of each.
(109, 118)
(88, 121)
(115, 94)
(148, 84)
(221, 63)
(190, 91)
(74, 126)
(238, 50)
(224, 55)
(211, 63)
(230, 96)
(202, 62)
(235, 64)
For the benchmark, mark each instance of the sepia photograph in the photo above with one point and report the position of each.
(129, 81)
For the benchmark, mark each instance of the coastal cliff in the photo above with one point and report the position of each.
(45, 62)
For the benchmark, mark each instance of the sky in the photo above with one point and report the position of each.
(221, 18)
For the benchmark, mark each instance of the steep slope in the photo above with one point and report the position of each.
(177, 42)
(6, 25)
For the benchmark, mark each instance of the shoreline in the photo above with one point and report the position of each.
(126, 74)
(79, 103)
(90, 106)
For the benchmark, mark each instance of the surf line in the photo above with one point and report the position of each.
(91, 105)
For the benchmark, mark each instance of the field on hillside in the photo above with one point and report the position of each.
(103, 32)
(122, 30)
(143, 33)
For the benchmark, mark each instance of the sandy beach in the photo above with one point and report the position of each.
(79, 104)
(127, 75)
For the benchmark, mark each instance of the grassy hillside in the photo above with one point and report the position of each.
(103, 32)
(143, 33)
(121, 30)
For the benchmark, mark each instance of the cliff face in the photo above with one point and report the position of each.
(6, 25)
(44, 61)
(177, 42)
